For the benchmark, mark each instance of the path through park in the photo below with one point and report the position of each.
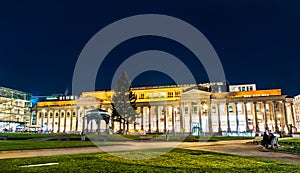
(236, 147)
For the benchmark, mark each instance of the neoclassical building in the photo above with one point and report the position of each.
(215, 107)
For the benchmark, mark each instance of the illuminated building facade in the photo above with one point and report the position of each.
(179, 109)
(14, 108)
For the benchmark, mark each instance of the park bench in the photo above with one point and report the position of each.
(190, 138)
(257, 140)
(101, 138)
(3, 137)
(146, 138)
(64, 138)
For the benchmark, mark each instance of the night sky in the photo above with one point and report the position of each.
(257, 42)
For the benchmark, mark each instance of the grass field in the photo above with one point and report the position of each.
(290, 145)
(31, 145)
(24, 136)
(178, 160)
(115, 137)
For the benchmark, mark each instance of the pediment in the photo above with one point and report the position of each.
(194, 94)
(87, 101)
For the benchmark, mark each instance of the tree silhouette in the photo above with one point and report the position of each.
(123, 103)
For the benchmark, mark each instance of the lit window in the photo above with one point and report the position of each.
(239, 107)
(248, 107)
(257, 108)
(170, 94)
(243, 89)
(230, 109)
(213, 109)
(186, 109)
(195, 108)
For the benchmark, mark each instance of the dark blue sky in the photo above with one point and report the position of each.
(257, 41)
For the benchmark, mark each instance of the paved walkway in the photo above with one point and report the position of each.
(236, 147)
(241, 148)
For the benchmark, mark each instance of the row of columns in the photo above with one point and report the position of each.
(164, 112)
(270, 114)
(73, 114)
(265, 116)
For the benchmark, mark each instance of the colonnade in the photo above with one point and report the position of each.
(217, 116)
(214, 116)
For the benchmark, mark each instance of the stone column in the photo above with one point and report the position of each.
(275, 115)
(181, 116)
(285, 117)
(77, 119)
(71, 120)
(190, 111)
(210, 129)
(173, 121)
(200, 114)
(228, 120)
(149, 107)
(99, 125)
(30, 118)
(165, 118)
(265, 117)
(219, 119)
(58, 123)
(293, 116)
(53, 120)
(256, 120)
(237, 117)
(157, 117)
(142, 118)
(83, 124)
(42, 119)
(91, 121)
(65, 122)
(246, 117)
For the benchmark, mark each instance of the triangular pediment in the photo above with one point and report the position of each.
(87, 101)
(194, 95)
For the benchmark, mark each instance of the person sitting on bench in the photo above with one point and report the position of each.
(265, 140)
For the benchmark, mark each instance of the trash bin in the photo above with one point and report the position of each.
(83, 137)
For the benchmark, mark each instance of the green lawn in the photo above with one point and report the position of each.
(24, 136)
(290, 145)
(115, 137)
(28, 145)
(178, 160)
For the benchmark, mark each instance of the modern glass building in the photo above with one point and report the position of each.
(14, 109)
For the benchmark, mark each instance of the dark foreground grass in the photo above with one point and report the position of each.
(178, 160)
